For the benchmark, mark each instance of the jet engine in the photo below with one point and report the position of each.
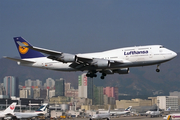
(65, 58)
(100, 63)
(122, 71)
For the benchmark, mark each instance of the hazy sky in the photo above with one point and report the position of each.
(80, 26)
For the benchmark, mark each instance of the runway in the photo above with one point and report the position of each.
(127, 118)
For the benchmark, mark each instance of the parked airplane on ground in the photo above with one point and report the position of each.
(154, 113)
(8, 112)
(102, 116)
(106, 62)
(40, 112)
(168, 109)
(173, 116)
(113, 113)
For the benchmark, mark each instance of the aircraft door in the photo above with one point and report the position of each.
(150, 53)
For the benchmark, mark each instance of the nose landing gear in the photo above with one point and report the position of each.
(158, 70)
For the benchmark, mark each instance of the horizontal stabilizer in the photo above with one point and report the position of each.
(19, 60)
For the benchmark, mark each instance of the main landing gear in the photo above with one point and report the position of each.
(158, 70)
(93, 74)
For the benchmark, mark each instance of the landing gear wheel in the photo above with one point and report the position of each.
(91, 75)
(103, 74)
(102, 77)
(157, 70)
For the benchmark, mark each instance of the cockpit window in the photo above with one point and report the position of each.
(161, 46)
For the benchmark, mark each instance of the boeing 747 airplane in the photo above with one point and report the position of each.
(106, 62)
(102, 115)
(116, 113)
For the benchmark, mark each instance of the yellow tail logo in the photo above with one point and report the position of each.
(23, 50)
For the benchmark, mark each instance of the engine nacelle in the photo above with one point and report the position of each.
(65, 58)
(100, 63)
(122, 71)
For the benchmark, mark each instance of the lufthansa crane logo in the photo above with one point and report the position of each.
(23, 50)
(12, 107)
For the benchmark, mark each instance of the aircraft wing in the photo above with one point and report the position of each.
(8, 116)
(84, 62)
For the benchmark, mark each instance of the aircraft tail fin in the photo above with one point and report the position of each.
(168, 109)
(25, 52)
(11, 108)
(109, 108)
(43, 108)
(129, 108)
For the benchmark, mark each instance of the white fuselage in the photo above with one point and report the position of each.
(2, 114)
(26, 115)
(114, 112)
(127, 57)
(101, 116)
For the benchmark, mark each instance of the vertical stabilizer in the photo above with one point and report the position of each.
(11, 108)
(129, 108)
(24, 51)
(43, 108)
(109, 108)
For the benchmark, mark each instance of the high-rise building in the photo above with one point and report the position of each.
(111, 92)
(90, 88)
(11, 85)
(36, 91)
(98, 96)
(26, 92)
(2, 89)
(30, 82)
(51, 93)
(85, 86)
(67, 87)
(175, 93)
(82, 85)
(59, 87)
(164, 102)
(50, 82)
(37, 83)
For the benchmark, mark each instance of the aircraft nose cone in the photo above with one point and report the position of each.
(174, 54)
